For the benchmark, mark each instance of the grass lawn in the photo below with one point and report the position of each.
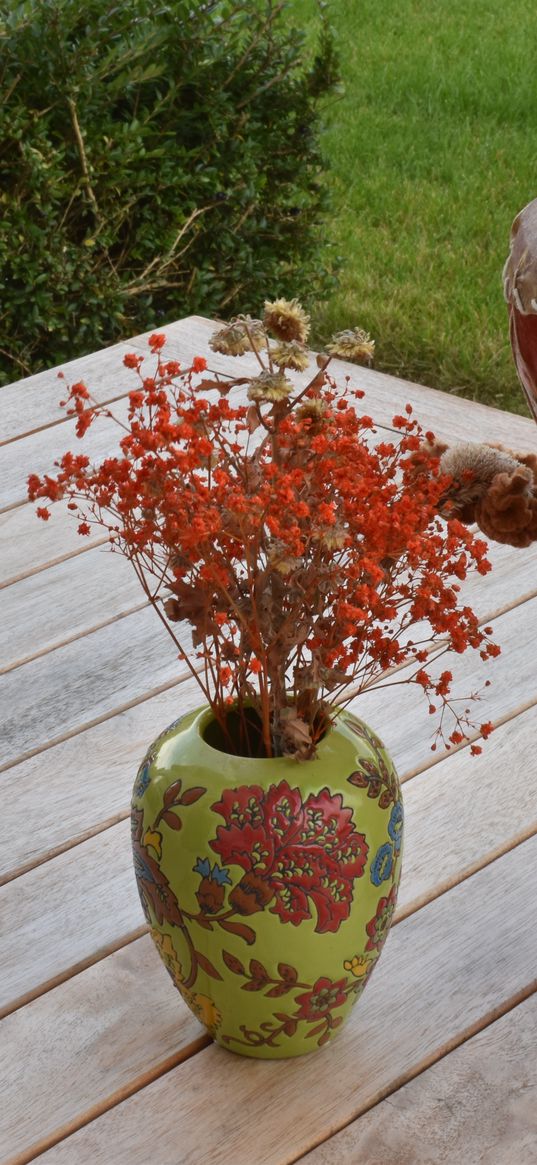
(433, 150)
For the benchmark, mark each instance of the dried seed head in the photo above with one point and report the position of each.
(270, 386)
(313, 409)
(286, 320)
(351, 344)
(241, 335)
(292, 355)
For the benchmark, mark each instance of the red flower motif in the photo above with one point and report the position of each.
(323, 997)
(296, 851)
(379, 926)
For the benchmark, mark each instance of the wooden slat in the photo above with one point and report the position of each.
(479, 1104)
(431, 810)
(88, 779)
(70, 1050)
(74, 685)
(30, 545)
(33, 402)
(107, 755)
(462, 812)
(400, 714)
(421, 1002)
(38, 452)
(99, 677)
(31, 405)
(454, 419)
(102, 864)
(63, 913)
(47, 609)
(77, 594)
(28, 405)
(451, 417)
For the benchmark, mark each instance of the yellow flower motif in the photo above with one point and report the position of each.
(169, 957)
(352, 344)
(357, 966)
(207, 1012)
(292, 355)
(154, 840)
(287, 320)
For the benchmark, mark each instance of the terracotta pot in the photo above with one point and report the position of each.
(269, 885)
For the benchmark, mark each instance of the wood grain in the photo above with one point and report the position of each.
(447, 971)
(133, 657)
(37, 452)
(30, 545)
(50, 608)
(453, 418)
(401, 717)
(34, 402)
(88, 779)
(66, 911)
(70, 687)
(467, 803)
(478, 1104)
(105, 757)
(101, 866)
(87, 1040)
(75, 595)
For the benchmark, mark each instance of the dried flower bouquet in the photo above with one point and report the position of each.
(308, 559)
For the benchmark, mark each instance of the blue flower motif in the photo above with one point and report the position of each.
(382, 864)
(395, 825)
(143, 779)
(203, 868)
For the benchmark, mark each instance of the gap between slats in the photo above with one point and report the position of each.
(192, 1049)
(405, 1077)
(31, 571)
(58, 421)
(436, 648)
(72, 638)
(96, 720)
(116, 1098)
(72, 843)
(400, 916)
(490, 617)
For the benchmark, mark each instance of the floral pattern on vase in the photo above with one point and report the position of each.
(304, 876)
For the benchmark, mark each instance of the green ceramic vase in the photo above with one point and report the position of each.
(269, 885)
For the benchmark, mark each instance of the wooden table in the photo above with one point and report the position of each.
(101, 1062)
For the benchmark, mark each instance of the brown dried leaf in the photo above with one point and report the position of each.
(252, 419)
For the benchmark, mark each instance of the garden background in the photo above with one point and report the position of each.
(366, 155)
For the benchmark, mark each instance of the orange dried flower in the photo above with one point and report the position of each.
(309, 553)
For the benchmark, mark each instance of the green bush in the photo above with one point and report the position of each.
(155, 160)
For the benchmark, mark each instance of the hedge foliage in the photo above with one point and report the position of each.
(155, 160)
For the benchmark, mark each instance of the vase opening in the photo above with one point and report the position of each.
(242, 733)
(241, 736)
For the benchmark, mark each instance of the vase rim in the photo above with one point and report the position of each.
(206, 715)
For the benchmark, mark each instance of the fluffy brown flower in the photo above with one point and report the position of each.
(269, 386)
(292, 355)
(241, 335)
(286, 320)
(351, 344)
